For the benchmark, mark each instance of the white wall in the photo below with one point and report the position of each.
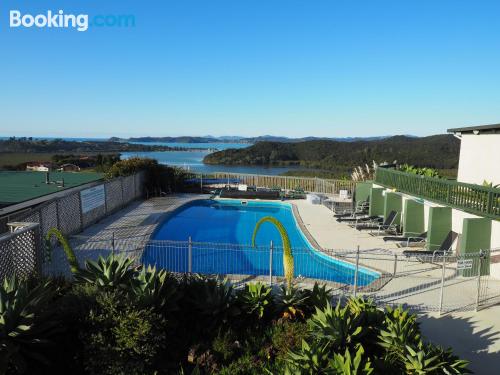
(479, 159)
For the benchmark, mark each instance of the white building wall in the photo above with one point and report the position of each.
(479, 159)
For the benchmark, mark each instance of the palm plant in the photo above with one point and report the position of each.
(287, 249)
(70, 254)
(25, 324)
(256, 299)
(110, 273)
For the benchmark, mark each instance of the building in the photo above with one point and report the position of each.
(479, 154)
(439, 207)
(69, 168)
(38, 166)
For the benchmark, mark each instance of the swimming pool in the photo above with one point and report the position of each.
(230, 223)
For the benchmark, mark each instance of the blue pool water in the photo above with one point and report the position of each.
(233, 222)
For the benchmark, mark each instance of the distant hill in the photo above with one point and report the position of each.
(184, 139)
(30, 145)
(271, 138)
(439, 151)
(237, 139)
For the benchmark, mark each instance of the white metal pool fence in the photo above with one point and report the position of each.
(423, 282)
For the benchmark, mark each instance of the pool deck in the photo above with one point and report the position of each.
(330, 234)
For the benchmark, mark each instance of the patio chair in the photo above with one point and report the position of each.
(408, 241)
(444, 248)
(387, 226)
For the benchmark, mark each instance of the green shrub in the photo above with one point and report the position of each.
(121, 339)
(287, 336)
(26, 324)
(159, 178)
(124, 320)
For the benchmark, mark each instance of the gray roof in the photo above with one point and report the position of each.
(482, 129)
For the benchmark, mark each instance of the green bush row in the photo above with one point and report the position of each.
(116, 318)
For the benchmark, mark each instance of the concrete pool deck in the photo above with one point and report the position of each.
(330, 234)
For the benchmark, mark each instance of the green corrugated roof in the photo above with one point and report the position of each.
(16, 187)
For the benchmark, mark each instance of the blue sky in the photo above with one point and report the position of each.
(252, 67)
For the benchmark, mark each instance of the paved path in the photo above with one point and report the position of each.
(474, 336)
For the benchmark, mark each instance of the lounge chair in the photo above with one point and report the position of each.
(361, 219)
(408, 240)
(360, 209)
(387, 226)
(444, 248)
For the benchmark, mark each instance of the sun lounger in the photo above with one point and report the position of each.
(408, 241)
(387, 226)
(360, 209)
(444, 248)
(361, 219)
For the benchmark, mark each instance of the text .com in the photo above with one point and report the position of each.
(59, 19)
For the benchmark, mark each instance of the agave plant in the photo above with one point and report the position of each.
(214, 299)
(287, 249)
(310, 359)
(25, 325)
(401, 329)
(114, 272)
(337, 327)
(347, 364)
(291, 303)
(449, 363)
(318, 296)
(256, 299)
(70, 254)
(153, 288)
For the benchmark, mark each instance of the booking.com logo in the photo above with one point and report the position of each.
(59, 19)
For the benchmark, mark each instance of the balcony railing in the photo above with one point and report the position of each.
(475, 199)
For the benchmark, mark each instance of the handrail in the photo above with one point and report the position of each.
(475, 199)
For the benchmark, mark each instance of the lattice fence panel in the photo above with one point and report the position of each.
(18, 254)
(70, 216)
(93, 216)
(49, 220)
(128, 189)
(114, 198)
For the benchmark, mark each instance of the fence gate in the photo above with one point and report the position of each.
(488, 288)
